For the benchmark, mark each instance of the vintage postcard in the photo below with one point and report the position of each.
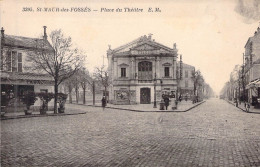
(130, 83)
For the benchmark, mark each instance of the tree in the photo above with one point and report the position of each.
(198, 82)
(69, 85)
(101, 75)
(197, 79)
(83, 79)
(60, 62)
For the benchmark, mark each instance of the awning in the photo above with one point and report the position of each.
(257, 84)
(253, 84)
(17, 78)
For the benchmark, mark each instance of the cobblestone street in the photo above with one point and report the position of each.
(213, 134)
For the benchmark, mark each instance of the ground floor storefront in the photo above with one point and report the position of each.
(141, 94)
(186, 94)
(15, 85)
(253, 92)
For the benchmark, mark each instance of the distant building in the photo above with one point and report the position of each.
(252, 67)
(187, 83)
(136, 68)
(16, 76)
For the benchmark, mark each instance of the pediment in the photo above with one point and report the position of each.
(123, 65)
(167, 64)
(145, 46)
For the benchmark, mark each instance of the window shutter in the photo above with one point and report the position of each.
(20, 62)
(9, 61)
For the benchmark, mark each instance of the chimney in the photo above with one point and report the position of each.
(150, 36)
(174, 46)
(2, 32)
(44, 33)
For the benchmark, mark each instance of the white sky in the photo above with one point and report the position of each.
(209, 34)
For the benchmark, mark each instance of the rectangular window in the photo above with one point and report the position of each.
(20, 60)
(123, 72)
(9, 61)
(166, 71)
(186, 84)
(186, 74)
(14, 61)
(2, 60)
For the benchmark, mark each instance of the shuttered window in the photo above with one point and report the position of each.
(20, 61)
(9, 61)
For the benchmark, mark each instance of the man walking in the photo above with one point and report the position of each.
(166, 101)
(103, 102)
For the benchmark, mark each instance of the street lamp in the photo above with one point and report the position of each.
(154, 103)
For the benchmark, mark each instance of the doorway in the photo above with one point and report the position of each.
(145, 96)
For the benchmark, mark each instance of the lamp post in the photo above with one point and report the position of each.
(154, 103)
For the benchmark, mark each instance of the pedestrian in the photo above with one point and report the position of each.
(180, 98)
(166, 101)
(103, 102)
(247, 106)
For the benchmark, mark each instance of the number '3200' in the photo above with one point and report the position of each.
(27, 9)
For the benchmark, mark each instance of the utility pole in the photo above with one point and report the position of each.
(179, 77)
(243, 79)
(93, 86)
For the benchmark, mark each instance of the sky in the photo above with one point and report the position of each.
(210, 35)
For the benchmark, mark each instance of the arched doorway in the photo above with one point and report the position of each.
(145, 72)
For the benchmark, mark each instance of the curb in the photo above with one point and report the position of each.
(235, 105)
(240, 108)
(38, 115)
(149, 111)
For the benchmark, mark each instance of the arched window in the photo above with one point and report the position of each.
(145, 70)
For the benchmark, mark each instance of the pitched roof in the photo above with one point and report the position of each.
(257, 61)
(140, 41)
(26, 76)
(26, 42)
(185, 65)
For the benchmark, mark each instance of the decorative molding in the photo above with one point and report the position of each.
(167, 64)
(123, 64)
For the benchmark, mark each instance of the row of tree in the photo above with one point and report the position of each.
(65, 64)
(235, 88)
(200, 87)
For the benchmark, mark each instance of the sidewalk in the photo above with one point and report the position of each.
(182, 107)
(16, 115)
(242, 107)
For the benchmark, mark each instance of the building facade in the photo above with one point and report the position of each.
(16, 75)
(141, 71)
(252, 67)
(186, 82)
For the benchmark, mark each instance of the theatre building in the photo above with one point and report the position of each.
(141, 71)
(16, 75)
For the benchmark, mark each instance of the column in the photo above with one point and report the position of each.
(158, 67)
(132, 74)
(136, 69)
(154, 64)
(174, 67)
(115, 70)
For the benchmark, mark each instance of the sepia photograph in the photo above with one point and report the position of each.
(126, 83)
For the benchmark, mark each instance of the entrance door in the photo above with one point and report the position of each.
(145, 96)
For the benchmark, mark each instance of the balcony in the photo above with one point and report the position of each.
(145, 81)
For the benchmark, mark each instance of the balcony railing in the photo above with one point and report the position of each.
(145, 81)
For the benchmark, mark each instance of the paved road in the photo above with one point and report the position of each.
(212, 134)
